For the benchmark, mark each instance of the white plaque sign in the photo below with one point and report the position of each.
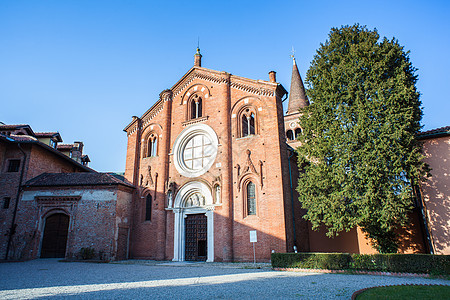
(253, 236)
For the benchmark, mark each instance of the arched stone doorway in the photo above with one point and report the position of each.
(54, 240)
(194, 224)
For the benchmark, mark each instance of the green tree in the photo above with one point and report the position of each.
(359, 156)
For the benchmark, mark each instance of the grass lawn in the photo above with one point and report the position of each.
(407, 292)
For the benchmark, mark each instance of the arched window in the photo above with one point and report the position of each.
(244, 125)
(248, 123)
(148, 208)
(196, 107)
(152, 145)
(298, 132)
(290, 135)
(251, 199)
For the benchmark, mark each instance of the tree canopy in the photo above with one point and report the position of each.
(358, 156)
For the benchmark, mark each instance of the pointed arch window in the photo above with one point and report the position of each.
(251, 198)
(196, 107)
(148, 208)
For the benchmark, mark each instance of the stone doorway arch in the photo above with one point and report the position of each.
(194, 200)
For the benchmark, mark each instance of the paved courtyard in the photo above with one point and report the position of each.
(49, 278)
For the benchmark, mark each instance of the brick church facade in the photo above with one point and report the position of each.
(211, 164)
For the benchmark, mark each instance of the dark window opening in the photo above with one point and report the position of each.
(248, 123)
(244, 125)
(196, 107)
(290, 135)
(14, 165)
(148, 208)
(152, 146)
(199, 107)
(6, 202)
(298, 132)
(251, 199)
(252, 124)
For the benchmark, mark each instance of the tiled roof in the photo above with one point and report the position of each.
(12, 126)
(75, 179)
(49, 135)
(64, 146)
(442, 131)
(26, 139)
(43, 134)
(22, 138)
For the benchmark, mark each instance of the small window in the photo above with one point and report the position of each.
(244, 125)
(290, 135)
(196, 107)
(248, 123)
(152, 146)
(251, 199)
(298, 132)
(14, 165)
(148, 208)
(6, 202)
(53, 144)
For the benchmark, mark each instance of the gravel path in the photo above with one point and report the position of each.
(48, 278)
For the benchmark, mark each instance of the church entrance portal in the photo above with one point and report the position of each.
(194, 223)
(55, 236)
(196, 237)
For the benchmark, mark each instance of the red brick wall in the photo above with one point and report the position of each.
(95, 220)
(38, 161)
(154, 239)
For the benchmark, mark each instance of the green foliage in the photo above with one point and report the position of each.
(401, 263)
(87, 253)
(359, 156)
(329, 261)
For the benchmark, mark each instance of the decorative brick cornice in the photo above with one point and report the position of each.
(196, 74)
(58, 198)
(193, 121)
(147, 117)
(252, 89)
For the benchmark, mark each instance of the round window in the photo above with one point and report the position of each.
(195, 150)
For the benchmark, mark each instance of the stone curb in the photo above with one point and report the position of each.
(353, 272)
(358, 292)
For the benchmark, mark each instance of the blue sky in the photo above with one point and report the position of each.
(83, 68)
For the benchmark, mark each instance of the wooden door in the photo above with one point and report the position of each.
(196, 237)
(55, 236)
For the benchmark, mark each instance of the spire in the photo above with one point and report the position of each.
(297, 94)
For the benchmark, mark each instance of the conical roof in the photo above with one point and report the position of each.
(297, 94)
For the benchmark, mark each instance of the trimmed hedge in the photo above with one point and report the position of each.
(401, 263)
